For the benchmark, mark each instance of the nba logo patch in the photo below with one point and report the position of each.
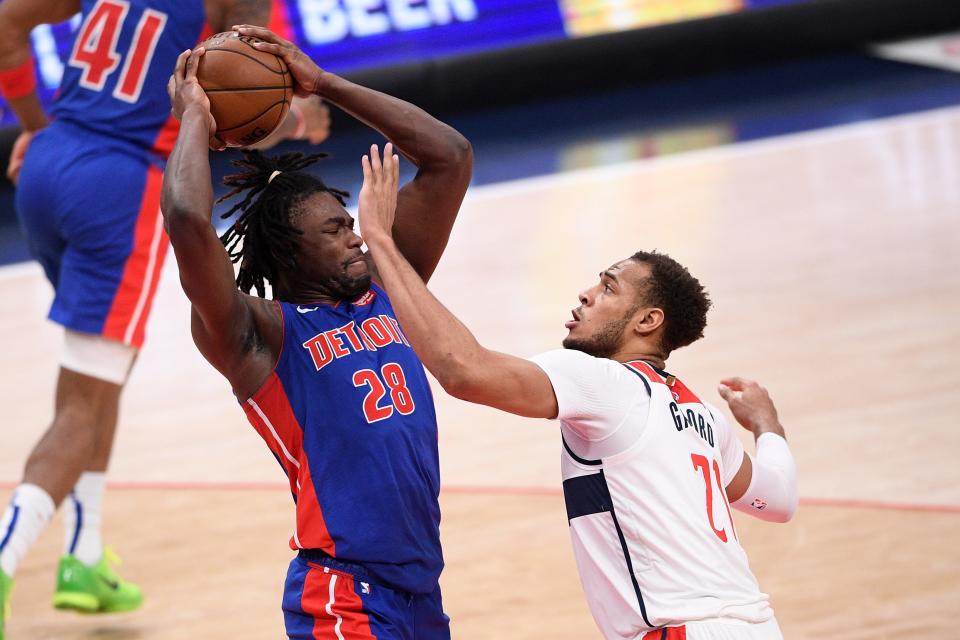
(759, 504)
(365, 587)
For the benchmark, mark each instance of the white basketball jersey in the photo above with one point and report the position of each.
(644, 468)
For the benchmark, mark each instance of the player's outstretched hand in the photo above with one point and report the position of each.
(751, 405)
(186, 93)
(378, 195)
(307, 76)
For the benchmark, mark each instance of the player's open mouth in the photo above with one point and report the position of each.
(570, 324)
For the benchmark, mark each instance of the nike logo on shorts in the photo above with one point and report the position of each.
(305, 310)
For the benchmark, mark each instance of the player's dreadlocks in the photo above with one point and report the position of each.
(263, 239)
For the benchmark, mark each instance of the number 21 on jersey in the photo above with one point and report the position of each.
(701, 464)
(95, 50)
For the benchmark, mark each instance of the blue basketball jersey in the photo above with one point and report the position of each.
(115, 80)
(349, 415)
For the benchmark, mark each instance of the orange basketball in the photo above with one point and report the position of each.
(249, 90)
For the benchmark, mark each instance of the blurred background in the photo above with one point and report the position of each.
(802, 157)
(541, 86)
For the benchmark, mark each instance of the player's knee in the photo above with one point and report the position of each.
(104, 361)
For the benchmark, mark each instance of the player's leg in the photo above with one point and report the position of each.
(93, 360)
(52, 469)
(111, 249)
(31, 507)
(430, 620)
(112, 268)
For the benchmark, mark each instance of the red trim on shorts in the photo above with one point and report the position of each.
(127, 319)
(166, 137)
(353, 623)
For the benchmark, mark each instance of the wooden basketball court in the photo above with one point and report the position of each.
(832, 260)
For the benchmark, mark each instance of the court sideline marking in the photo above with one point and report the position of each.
(839, 503)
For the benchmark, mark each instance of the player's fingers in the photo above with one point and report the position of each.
(261, 32)
(388, 163)
(268, 47)
(171, 86)
(735, 382)
(181, 64)
(725, 392)
(375, 160)
(396, 171)
(193, 61)
(365, 163)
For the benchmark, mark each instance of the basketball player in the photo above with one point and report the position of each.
(649, 471)
(323, 371)
(88, 199)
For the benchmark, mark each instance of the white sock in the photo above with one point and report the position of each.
(28, 514)
(82, 515)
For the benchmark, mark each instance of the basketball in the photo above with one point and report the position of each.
(249, 90)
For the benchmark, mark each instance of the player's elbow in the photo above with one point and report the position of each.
(180, 220)
(455, 381)
(458, 379)
(784, 514)
(789, 509)
(455, 154)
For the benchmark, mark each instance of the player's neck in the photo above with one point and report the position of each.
(305, 294)
(646, 355)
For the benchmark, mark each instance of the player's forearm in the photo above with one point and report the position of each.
(29, 112)
(773, 493)
(445, 346)
(187, 197)
(424, 140)
(18, 83)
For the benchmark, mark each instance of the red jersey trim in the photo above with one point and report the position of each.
(681, 394)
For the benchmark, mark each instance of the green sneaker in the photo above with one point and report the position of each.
(6, 585)
(94, 589)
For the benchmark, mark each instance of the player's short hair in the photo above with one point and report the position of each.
(681, 296)
(263, 238)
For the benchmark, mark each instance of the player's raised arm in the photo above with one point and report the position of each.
(446, 347)
(765, 487)
(17, 78)
(428, 205)
(222, 316)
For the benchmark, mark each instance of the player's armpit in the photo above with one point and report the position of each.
(741, 480)
(504, 382)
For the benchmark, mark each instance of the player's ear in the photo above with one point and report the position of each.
(647, 320)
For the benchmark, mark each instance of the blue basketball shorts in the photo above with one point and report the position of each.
(90, 208)
(324, 599)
